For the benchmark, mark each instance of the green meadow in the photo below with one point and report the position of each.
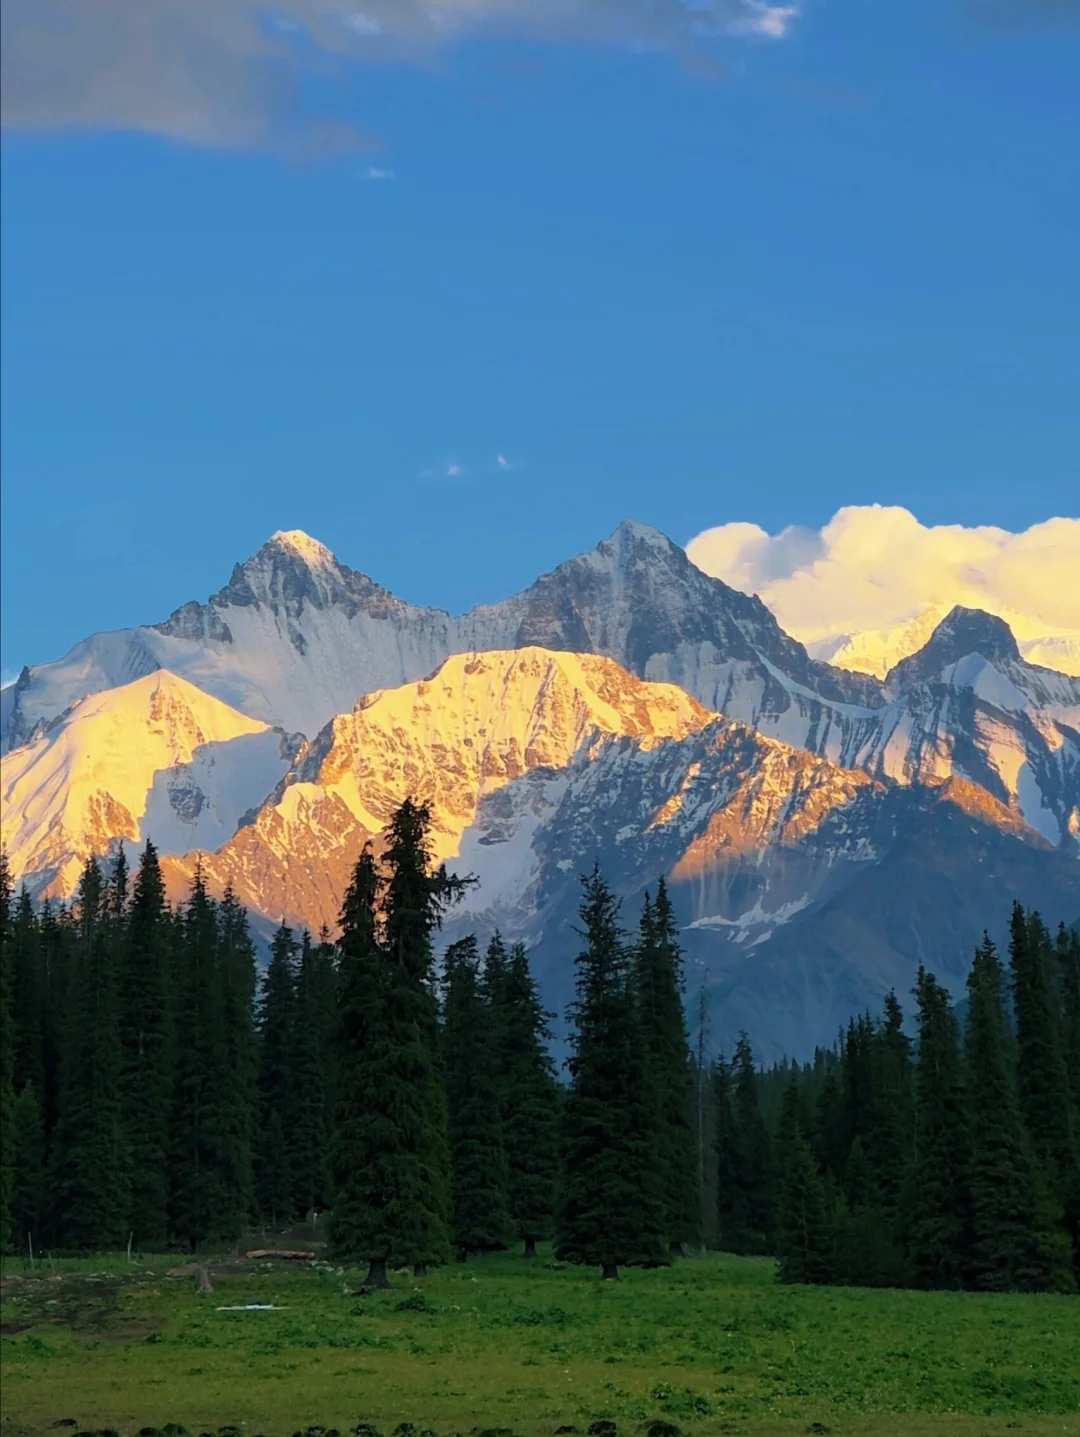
(710, 1345)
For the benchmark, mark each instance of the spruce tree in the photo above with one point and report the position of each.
(480, 1218)
(528, 1092)
(610, 1211)
(146, 1072)
(729, 1207)
(415, 897)
(1045, 1091)
(804, 1230)
(752, 1155)
(27, 976)
(90, 1162)
(1068, 956)
(278, 1116)
(890, 1139)
(200, 1209)
(237, 979)
(316, 1015)
(659, 988)
(391, 1156)
(30, 1178)
(1015, 1244)
(938, 1226)
(373, 1160)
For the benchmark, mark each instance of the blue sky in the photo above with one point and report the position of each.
(692, 277)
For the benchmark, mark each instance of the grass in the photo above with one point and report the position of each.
(710, 1346)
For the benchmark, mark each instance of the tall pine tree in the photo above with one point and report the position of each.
(1015, 1243)
(146, 1060)
(391, 1161)
(938, 1227)
(659, 988)
(90, 1171)
(610, 1211)
(278, 1118)
(1046, 1099)
(480, 1217)
(528, 1092)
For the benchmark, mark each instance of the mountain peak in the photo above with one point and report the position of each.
(304, 547)
(960, 633)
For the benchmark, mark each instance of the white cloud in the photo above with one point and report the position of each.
(450, 469)
(227, 72)
(876, 567)
(373, 172)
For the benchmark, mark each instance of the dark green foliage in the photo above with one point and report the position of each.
(804, 1230)
(744, 1159)
(658, 981)
(610, 1211)
(1015, 1244)
(29, 1196)
(1046, 1098)
(89, 1164)
(938, 1230)
(211, 1172)
(1068, 958)
(313, 1075)
(391, 1166)
(236, 968)
(528, 1092)
(146, 1064)
(480, 1217)
(277, 1078)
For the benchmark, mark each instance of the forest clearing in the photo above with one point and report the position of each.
(708, 1345)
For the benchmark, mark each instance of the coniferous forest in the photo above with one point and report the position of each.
(157, 1090)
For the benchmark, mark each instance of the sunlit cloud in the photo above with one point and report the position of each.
(228, 73)
(876, 567)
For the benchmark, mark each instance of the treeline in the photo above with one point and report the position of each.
(951, 1160)
(155, 1091)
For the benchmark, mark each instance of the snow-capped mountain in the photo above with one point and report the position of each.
(877, 651)
(537, 764)
(296, 637)
(154, 758)
(626, 706)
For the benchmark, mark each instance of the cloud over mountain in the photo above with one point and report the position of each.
(875, 567)
(225, 73)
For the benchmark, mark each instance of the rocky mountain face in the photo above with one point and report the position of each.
(626, 708)
(156, 758)
(539, 764)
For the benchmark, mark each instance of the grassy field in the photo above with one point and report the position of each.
(708, 1346)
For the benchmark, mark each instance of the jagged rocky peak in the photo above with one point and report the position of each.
(962, 632)
(286, 573)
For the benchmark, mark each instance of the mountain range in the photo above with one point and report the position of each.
(823, 830)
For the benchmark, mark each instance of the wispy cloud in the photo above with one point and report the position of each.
(228, 73)
(448, 469)
(374, 172)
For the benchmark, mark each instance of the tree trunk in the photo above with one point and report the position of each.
(677, 1250)
(203, 1285)
(376, 1274)
(420, 1270)
(530, 1247)
(611, 1272)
